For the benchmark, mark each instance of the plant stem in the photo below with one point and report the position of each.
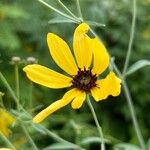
(133, 116)
(18, 108)
(30, 94)
(131, 38)
(6, 140)
(17, 84)
(97, 123)
(28, 137)
(58, 11)
(9, 89)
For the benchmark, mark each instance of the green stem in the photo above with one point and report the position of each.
(17, 84)
(28, 137)
(9, 89)
(6, 140)
(133, 115)
(97, 123)
(30, 94)
(59, 12)
(131, 38)
(18, 108)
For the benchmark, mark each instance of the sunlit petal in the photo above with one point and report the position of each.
(67, 98)
(47, 77)
(61, 53)
(82, 46)
(6, 120)
(101, 56)
(78, 101)
(111, 85)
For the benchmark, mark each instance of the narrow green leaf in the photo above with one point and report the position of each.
(94, 23)
(89, 140)
(138, 65)
(125, 146)
(60, 146)
(60, 20)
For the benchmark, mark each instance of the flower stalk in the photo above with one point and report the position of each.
(96, 122)
(17, 84)
(130, 39)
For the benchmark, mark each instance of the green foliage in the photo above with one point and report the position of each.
(23, 29)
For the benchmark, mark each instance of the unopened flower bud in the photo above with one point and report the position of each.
(32, 60)
(15, 60)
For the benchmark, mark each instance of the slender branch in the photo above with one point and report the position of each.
(6, 140)
(131, 38)
(133, 115)
(97, 123)
(58, 11)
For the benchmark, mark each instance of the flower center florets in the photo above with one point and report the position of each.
(84, 80)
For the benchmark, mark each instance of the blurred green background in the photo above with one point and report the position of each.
(23, 29)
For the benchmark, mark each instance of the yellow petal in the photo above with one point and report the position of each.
(82, 46)
(47, 77)
(78, 101)
(67, 98)
(6, 119)
(101, 56)
(61, 54)
(111, 85)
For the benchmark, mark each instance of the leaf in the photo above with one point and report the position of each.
(60, 146)
(94, 23)
(89, 140)
(60, 20)
(125, 146)
(138, 65)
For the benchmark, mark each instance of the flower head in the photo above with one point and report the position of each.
(6, 120)
(91, 59)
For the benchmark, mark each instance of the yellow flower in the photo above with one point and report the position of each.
(92, 60)
(6, 120)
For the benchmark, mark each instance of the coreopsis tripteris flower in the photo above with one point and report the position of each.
(91, 60)
(6, 119)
